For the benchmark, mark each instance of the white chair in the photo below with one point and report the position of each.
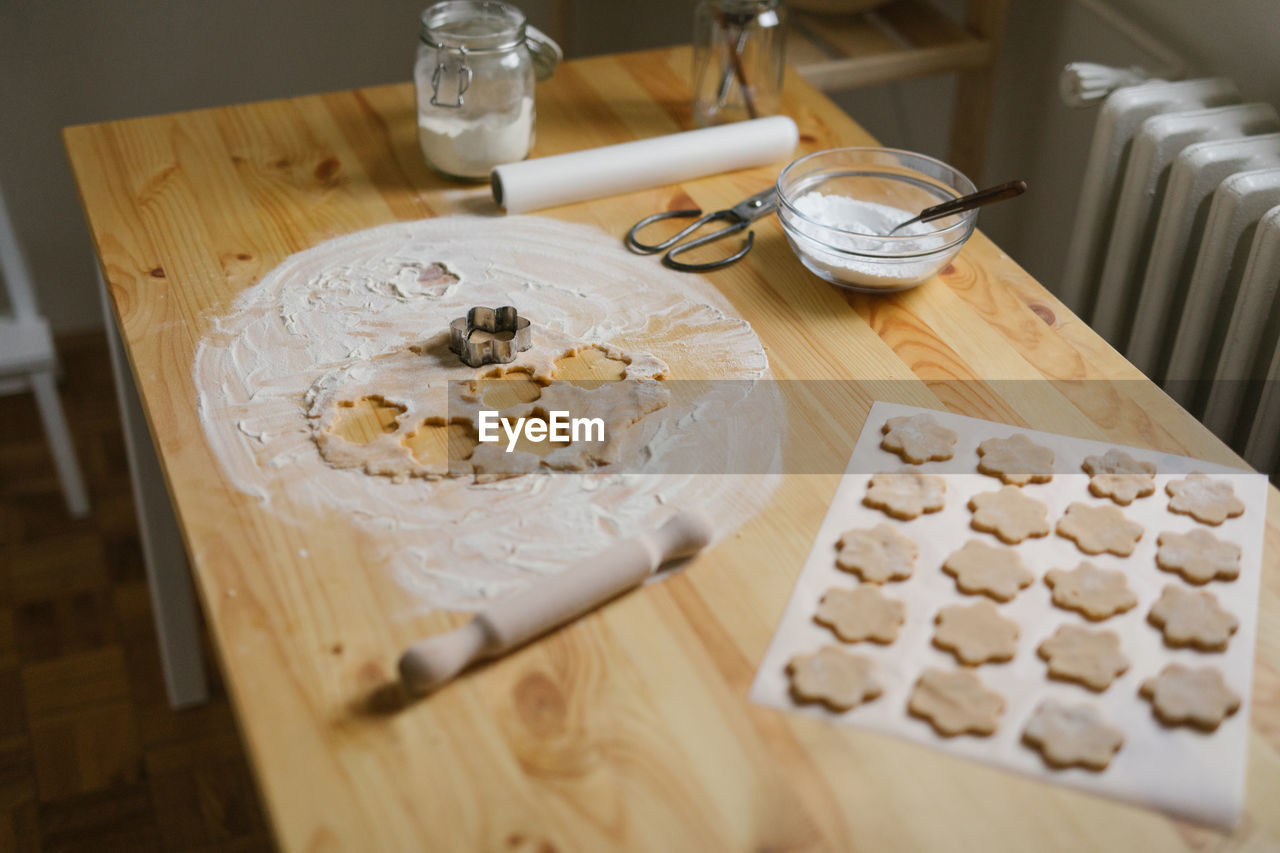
(28, 362)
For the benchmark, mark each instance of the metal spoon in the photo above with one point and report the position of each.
(967, 202)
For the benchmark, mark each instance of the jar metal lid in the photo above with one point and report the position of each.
(507, 31)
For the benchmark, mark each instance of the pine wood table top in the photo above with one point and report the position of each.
(631, 728)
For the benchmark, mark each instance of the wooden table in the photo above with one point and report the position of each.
(631, 728)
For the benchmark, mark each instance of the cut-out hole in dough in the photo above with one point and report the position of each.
(436, 442)
(589, 367)
(502, 389)
(541, 449)
(361, 421)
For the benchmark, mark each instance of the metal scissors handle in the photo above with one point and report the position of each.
(739, 217)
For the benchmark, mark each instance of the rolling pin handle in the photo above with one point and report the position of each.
(429, 663)
(682, 535)
(512, 622)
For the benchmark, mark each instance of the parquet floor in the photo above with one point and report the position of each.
(91, 756)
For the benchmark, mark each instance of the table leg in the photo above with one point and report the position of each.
(173, 601)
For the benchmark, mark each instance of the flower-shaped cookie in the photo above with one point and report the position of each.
(1016, 460)
(906, 494)
(1091, 658)
(980, 568)
(1196, 696)
(976, 633)
(833, 677)
(1204, 499)
(918, 438)
(1009, 514)
(860, 614)
(1097, 593)
(1198, 556)
(876, 555)
(1119, 476)
(1096, 529)
(1072, 736)
(955, 703)
(1192, 618)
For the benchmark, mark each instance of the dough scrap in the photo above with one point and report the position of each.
(1091, 658)
(1194, 696)
(906, 494)
(1072, 736)
(980, 568)
(834, 678)
(876, 555)
(1016, 460)
(1198, 556)
(1192, 618)
(413, 382)
(1204, 499)
(1097, 593)
(1119, 476)
(1096, 529)
(955, 703)
(1009, 514)
(864, 613)
(976, 633)
(918, 438)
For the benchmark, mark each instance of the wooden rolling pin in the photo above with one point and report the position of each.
(432, 662)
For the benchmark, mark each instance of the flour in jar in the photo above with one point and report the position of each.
(470, 147)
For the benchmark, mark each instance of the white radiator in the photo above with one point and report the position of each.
(1175, 253)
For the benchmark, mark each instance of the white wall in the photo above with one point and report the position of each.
(66, 62)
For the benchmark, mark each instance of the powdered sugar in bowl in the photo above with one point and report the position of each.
(838, 206)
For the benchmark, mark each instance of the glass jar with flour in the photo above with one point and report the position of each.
(474, 75)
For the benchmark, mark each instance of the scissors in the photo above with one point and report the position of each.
(740, 217)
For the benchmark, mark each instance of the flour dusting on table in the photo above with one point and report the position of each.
(352, 304)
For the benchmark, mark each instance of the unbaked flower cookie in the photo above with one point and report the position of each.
(1072, 736)
(906, 494)
(1194, 696)
(1091, 658)
(955, 703)
(1198, 556)
(1096, 529)
(1097, 593)
(1192, 618)
(1119, 476)
(1016, 460)
(864, 613)
(1204, 499)
(834, 678)
(976, 633)
(918, 438)
(876, 555)
(1009, 514)
(985, 569)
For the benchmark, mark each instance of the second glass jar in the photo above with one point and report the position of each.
(739, 54)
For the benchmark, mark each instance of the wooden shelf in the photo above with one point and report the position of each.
(903, 39)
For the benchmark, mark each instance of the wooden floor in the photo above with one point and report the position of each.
(91, 757)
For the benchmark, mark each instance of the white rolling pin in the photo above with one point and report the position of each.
(640, 165)
(432, 662)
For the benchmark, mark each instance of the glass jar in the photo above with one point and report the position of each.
(739, 54)
(474, 76)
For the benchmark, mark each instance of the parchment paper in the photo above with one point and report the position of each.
(1179, 770)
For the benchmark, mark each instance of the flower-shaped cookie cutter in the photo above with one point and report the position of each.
(504, 335)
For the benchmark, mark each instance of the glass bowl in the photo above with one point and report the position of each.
(836, 207)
